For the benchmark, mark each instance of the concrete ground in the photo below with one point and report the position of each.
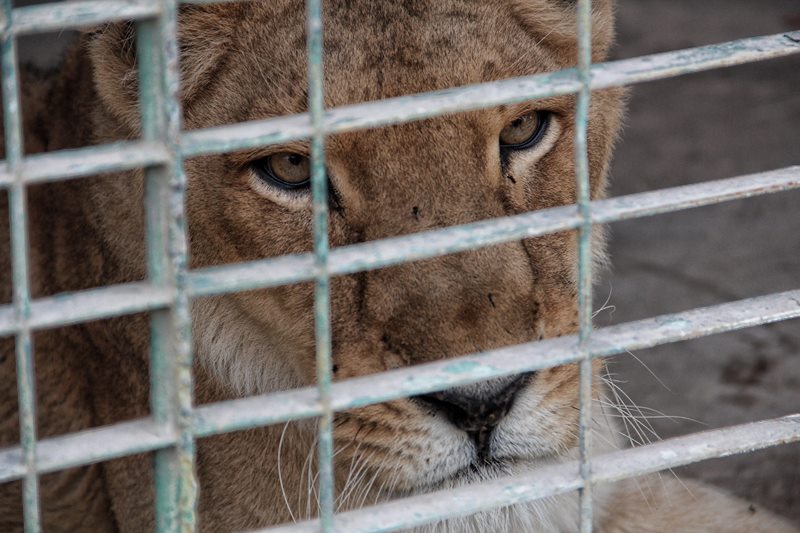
(708, 126)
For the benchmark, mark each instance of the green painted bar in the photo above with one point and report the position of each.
(584, 32)
(181, 480)
(88, 446)
(18, 220)
(322, 308)
(387, 252)
(162, 376)
(273, 131)
(83, 306)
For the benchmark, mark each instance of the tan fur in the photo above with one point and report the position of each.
(247, 61)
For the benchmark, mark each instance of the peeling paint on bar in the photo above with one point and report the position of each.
(322, 295)
(560, 478)
(425, 105)
(89, 446)
(377, 254)
(93, 304)
(65, 164)
(60, 16)
(71, 308)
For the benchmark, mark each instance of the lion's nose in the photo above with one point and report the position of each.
(477, 409)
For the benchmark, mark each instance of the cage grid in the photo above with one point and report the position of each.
(175, 424)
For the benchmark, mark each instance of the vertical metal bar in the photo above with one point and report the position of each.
(322, 276)
(165, 187)
(183, 477)
(26, 378)
(584, 31)
(162, 376)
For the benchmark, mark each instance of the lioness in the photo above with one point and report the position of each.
(247, 61)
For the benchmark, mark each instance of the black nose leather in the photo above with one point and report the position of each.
(477, 409)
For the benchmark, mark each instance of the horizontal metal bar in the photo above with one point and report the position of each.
(70, 308)
(252, 134)
(63, 15)
(83, 306)
(387, 252)
(90, 161)
(86, 447)
(98, 159)
(696, 195)
(270, 409)
(235, 415)
(561, 478)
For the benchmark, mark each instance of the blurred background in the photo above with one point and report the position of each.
(712, 125)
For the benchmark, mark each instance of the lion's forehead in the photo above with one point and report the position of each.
(376, 50)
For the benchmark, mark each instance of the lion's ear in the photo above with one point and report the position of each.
(556, 22)
(203, 36)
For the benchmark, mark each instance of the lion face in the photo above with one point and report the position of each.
(246, 62)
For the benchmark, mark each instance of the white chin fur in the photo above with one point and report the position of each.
(235, 350)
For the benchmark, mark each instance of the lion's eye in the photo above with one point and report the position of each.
(525, 131)
(285, 170)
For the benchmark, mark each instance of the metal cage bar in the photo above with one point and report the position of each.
(90, 446)
(583, 200)
(18, 220)
(558, 479)
(83, 306)
(322, 307)
(426, 105)
(45, 167)
(175, 424)
(77, 14)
